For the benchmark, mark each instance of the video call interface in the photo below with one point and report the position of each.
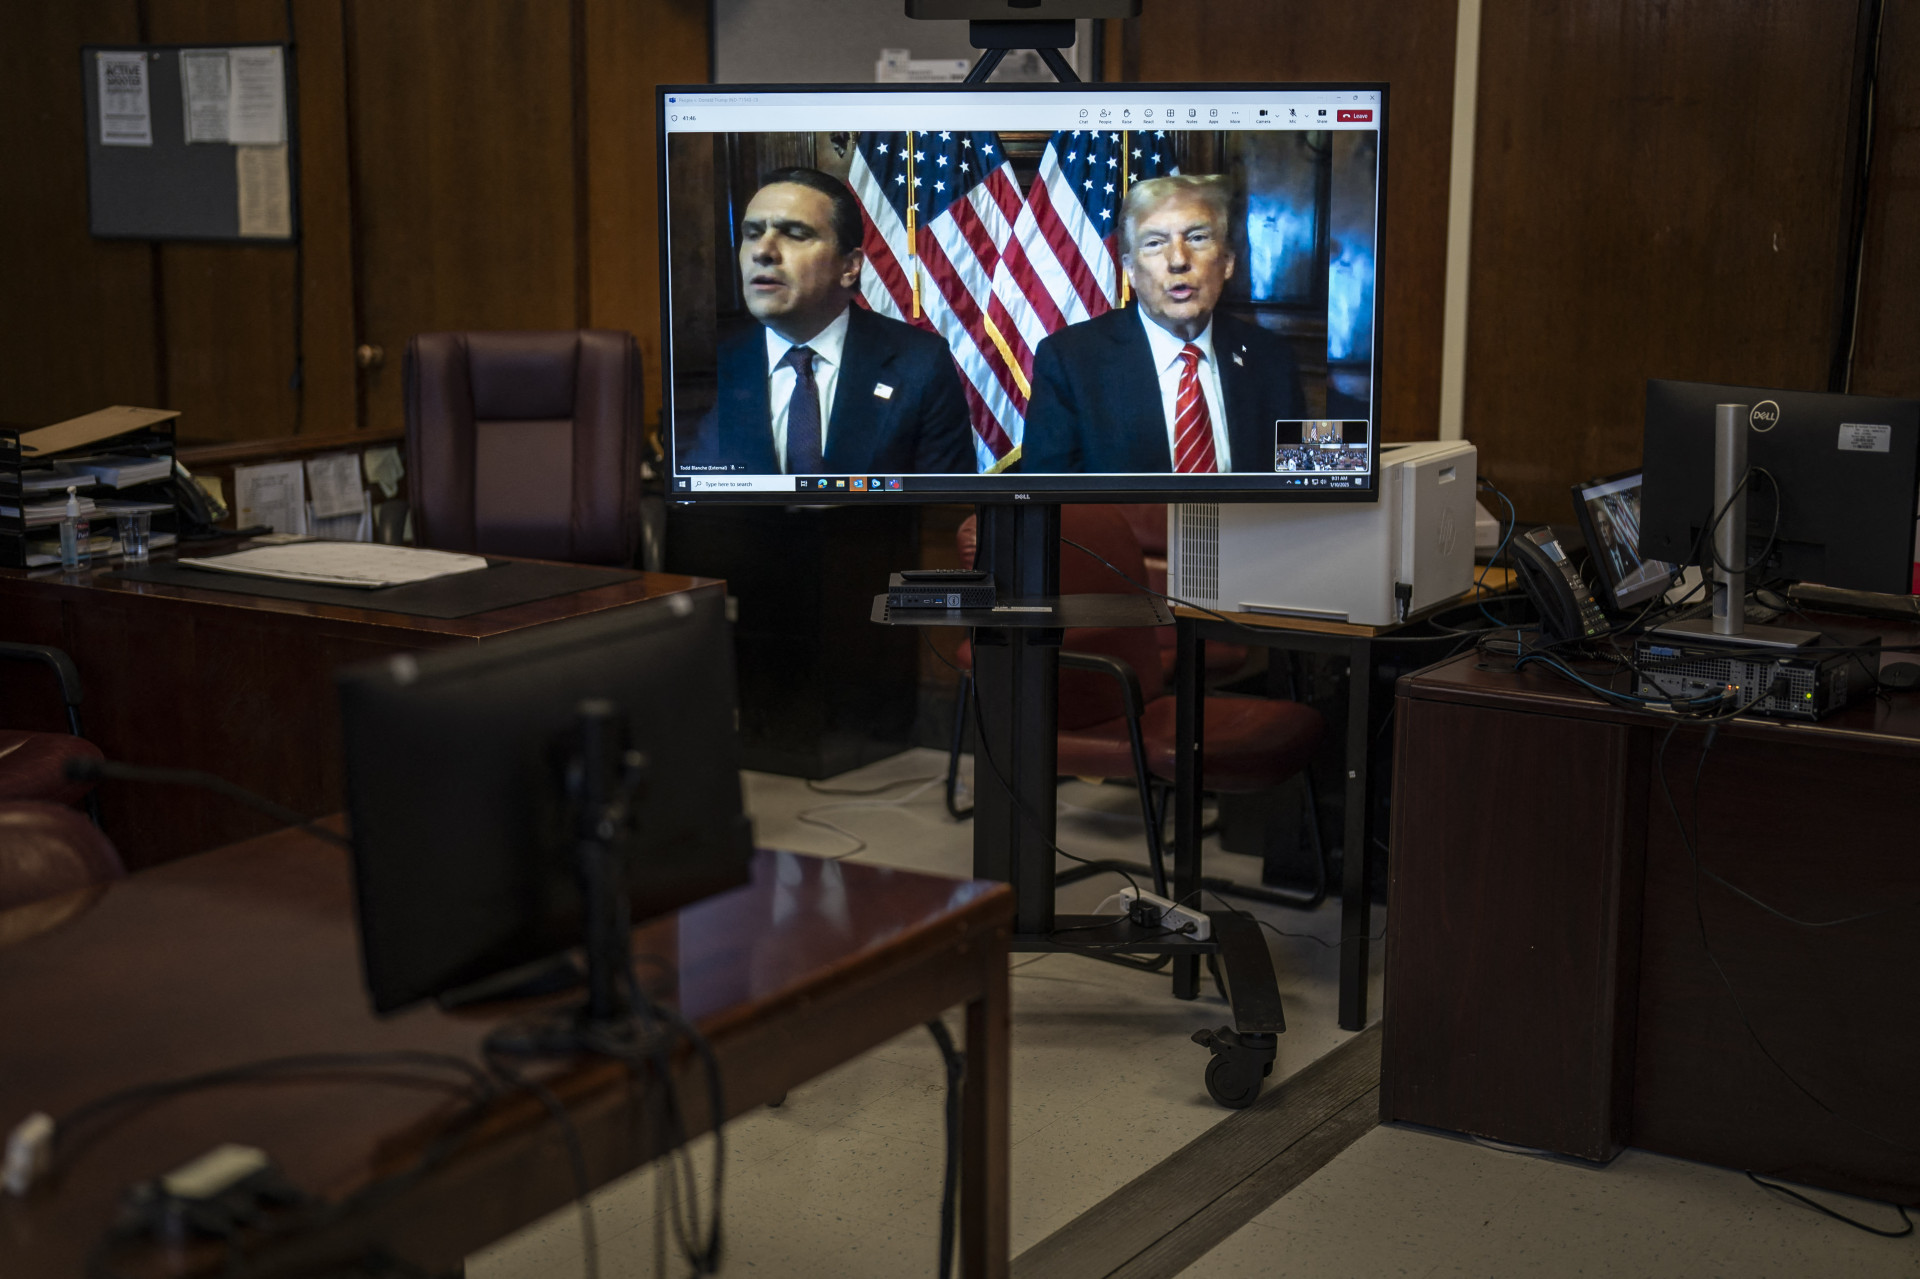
(1045, 291)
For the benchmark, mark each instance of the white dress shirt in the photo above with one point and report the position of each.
(1167, 365)
(827, 345)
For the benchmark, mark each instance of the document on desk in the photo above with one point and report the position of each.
(368, 565)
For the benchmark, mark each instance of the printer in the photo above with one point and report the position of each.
(1365, 563)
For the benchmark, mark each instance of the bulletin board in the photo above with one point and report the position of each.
(146, 180)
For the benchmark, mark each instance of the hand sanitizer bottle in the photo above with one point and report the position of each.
(75, 541)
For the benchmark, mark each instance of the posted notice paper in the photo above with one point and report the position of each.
(126, 111)
(334, 481)
(265, 191)
(257, 112)
(274, 495)
(206, 93)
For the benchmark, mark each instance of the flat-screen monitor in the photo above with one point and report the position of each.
(1609, 514)
(1068, 292)
(464, 838)
(1835, 506)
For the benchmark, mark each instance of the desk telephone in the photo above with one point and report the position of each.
(1567, 607)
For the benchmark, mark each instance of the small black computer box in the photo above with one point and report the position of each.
(940, 588)
(1799, 685)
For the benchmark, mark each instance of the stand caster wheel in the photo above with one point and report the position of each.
(1239, 1064)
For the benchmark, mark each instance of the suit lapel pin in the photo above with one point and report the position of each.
(1237, 360)
(882, 390)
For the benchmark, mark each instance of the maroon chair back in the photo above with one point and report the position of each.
(1148, 520)
(49, 849)
(1087, 698)
(526, 443)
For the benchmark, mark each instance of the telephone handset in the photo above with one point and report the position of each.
(198, 509)
(1567, 607)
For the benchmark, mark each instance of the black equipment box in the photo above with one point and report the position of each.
(1817, 683)
(933, 588)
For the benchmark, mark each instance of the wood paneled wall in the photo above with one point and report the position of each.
(1886, 358)
(1408, 43)
(1660, 190)
(463, 164)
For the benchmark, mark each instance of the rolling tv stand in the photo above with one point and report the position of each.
(1016, 666)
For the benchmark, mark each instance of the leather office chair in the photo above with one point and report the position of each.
(1117, 714)
(49, 849)
(33, 766)
(526, 443)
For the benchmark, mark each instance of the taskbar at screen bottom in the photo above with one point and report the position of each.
(1080, 487)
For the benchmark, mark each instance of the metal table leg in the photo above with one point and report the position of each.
(1356, 839)
(1189, 724)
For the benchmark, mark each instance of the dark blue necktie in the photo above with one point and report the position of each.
(803, 414)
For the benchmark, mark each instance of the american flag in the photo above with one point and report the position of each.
(1075, 199)
(957, 193)
(991, 273)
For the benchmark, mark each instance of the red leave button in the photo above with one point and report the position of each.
(1356, 117)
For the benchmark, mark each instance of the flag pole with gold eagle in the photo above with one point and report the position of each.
(913, 243)
(1120, 231)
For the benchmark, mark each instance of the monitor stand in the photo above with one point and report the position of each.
(601, 779)
(1726, 624)
(1016, 673)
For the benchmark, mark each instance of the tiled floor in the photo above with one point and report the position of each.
(1404, 1202)
(844, 1179)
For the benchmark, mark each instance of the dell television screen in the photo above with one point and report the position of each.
(1061, 292)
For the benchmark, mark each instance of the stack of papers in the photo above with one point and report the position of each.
(54, 478)
(121, 471)
(49, 512)
(366, 565)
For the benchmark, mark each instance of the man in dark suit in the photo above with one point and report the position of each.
(822, 386)
(1172, 384)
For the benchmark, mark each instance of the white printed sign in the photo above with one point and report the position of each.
(126, 111)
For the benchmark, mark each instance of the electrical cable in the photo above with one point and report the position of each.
(90, 770)
(956, 1064)
(1840, 1216)
(860, 845)
(576, 1157)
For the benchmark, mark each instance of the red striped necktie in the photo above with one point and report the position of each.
(1192, 428)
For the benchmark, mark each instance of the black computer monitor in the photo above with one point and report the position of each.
(1609, 513)
(1836, 505)
(465, 837)
(996, 346)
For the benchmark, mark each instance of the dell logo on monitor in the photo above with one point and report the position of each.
(1764, 416)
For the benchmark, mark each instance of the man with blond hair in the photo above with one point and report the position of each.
(1171, 384)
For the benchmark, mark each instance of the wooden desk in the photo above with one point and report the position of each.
(250, 952)
(1547, 983)
(237, 685)
(1356, 644)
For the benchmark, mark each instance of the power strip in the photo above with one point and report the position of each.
(1150, 910)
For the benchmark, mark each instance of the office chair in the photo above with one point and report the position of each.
(33, 766)
(526, 443)
(1117, 715)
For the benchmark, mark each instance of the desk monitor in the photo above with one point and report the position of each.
(964, 279)
(1844, 472)
(464, 836)
(1609, 514)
